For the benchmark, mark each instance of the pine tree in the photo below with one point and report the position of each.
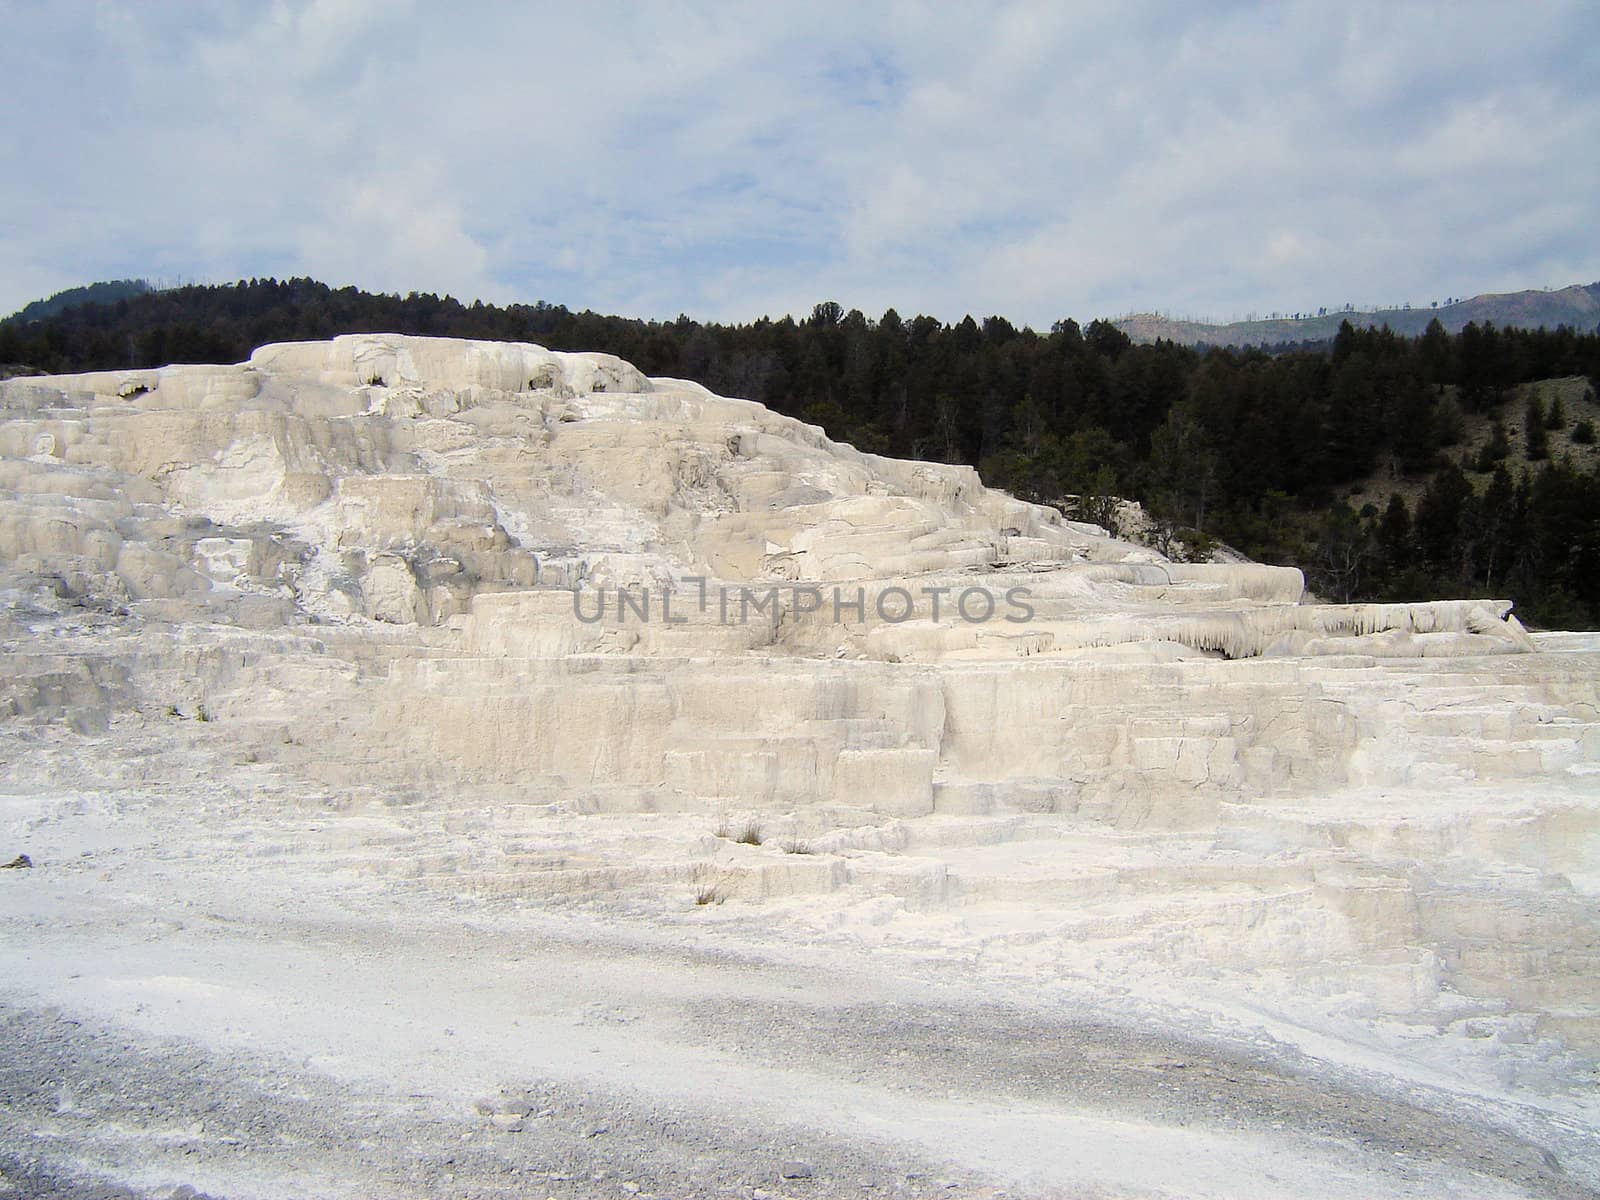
(1182, 467)
(1499, 525)
(1439, 517)
(1533, 428)
(1435, 352)
(1496, 449)
(1414, 432)
(1394, 533)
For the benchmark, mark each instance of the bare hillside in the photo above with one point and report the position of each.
(1577, 306)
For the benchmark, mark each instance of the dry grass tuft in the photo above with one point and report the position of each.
(708, 887)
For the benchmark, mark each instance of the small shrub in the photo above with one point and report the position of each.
(749, 833)
(797, 846)
(376, 381)
(202, 713)
(1583, 433)
(1198, 547)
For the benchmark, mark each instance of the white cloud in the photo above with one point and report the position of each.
(387, 233)
(1031, 159)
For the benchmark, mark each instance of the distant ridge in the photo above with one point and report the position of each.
(1577, 306)
(107, 292)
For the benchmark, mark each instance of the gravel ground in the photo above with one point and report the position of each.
(94, 1106)
(82, 1100)
(1141, 1074)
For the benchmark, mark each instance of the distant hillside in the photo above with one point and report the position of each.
(108, 292)
(1576, 306)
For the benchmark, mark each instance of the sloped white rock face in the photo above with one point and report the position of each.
(376, 563)
(475, 467)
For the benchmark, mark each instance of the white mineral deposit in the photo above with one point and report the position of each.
(454, 768)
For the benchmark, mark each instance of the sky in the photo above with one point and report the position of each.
(1035, 161)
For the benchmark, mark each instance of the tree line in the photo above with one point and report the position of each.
(1259, 449)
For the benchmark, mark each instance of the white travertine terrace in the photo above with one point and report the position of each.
(360, 557)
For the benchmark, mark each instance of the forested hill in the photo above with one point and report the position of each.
(108, 292)
(1469, 457)
(1577, 306)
